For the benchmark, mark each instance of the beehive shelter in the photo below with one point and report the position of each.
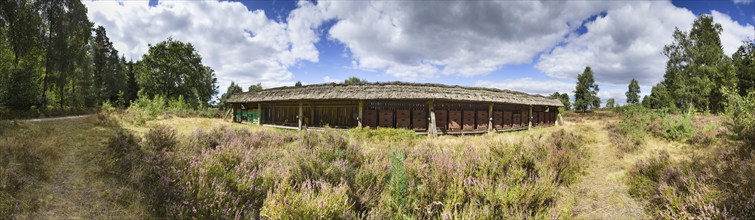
(431, 108)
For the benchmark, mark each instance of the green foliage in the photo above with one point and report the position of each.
(354, 80)
(659, 98)
(564, 98)
(744, 62)
(585, 95)
(298, 84)
(633, 94)
(146, 109)
(740, 116)
(677, 127)
(383, 134)
(697, 69)
(230, 173)
(232, 89)
(255, 87)
(610, 103)
(171, 69)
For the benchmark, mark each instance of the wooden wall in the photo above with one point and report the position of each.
(413, 114)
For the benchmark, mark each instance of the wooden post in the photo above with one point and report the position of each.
(259, 113)
(431, 130)
(490, 117)
(529, 126)
(301, 113)
(361, 109)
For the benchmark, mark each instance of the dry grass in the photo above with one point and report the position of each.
(74, 189)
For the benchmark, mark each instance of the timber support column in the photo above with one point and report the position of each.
(490, 117)
(259, 113)
(361, 109)
(301, 113)
(529, 126)
(431, 130)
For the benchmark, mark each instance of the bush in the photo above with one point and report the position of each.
(24, 166)
(227, 173)
(740, 114)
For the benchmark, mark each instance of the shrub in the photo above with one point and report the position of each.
(677, 128)
(24, 166)
(228, 173)
(740, 114)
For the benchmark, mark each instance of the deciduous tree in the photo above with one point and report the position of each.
(174, 69)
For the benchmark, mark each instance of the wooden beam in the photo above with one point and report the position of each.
(529, 126)
(301, 114)
(490, 117)
(259, 113)
(432, 131)
(361, 109)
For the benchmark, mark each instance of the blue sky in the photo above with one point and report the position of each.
(460, 43)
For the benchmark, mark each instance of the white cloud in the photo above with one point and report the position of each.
(530, 85)
(240, 45)
(744, 2)
(328, 79)
(733, 33)
(414, 40)
(626, 43)
(622, 45)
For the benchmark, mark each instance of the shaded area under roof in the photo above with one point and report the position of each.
(393, 91)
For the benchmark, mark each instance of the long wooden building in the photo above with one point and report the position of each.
(425, 108)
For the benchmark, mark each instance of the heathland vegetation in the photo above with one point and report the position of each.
(156, 148)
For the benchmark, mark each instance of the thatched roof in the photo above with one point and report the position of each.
(393, 91)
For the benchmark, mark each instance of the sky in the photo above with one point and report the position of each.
(538, 47)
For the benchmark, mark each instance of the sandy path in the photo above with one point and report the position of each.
(602, 193)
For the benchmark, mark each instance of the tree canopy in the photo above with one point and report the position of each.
(610, 103)
(354, 80)
(174, 69)
(564, 98)
(586, 93)
(633, 94)
(744, 63)
(232, 89)
(697, 69)
(255, 87)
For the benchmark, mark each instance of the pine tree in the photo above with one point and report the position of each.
(744, 63)
(232, 89)
(298, 84)
(633, 94)
(585, 95)
(255, 87)
(564, 98)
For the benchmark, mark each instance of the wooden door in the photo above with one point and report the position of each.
(441, 119)
(482, 120)
(468, 120)
(507, 119)
(370, 118)
(498, 119)
(516, 119)
(403, 118)
(419, 119)
(386, 118)
(454, 120)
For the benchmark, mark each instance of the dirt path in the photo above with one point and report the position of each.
(602, 192)
(56, 118)
(77, 188)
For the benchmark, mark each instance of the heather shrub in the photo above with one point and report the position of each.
(24, 166)
(227, 173)
(309, 200)
(383, 134)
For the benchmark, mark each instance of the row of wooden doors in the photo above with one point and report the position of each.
(453, 120)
